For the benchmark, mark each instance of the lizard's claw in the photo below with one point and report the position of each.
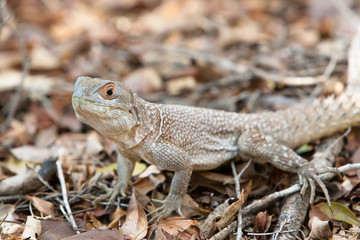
(168, 206)
(308, 176)
(111, 193)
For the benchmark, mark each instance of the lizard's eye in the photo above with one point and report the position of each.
(108, 91)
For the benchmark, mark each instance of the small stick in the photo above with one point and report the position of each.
(65, 196)
(238, 193)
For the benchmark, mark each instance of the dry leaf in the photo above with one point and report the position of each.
(145, 185)
(173, 225)
(32, 228)
(158, 234)
(230, 212)
(94, 222)
(115, 218)
(43, 58)
(135, 224)
(54, 229)
(22, 183)
(176, 86)
(36, 86)
(262, 222)
(45, 207)
(320, 229)
(31, 153)
(144, 80)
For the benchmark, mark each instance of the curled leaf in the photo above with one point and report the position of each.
(320, 229)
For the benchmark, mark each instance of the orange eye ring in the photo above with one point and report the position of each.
(109, 90)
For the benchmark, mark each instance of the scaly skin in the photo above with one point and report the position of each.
(185, 139)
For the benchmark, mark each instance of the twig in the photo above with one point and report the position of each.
(4, 199)
(287, 80)
(238, 193)
(345, 168)
(225, 231)
(63, 211)
(244, 169)
(267, 234)
(266, 201)
(65, 196)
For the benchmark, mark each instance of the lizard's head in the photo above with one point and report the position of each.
(107, 106)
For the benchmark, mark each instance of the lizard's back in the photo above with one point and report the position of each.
(210, 136)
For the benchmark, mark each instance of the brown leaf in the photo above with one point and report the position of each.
(46, 137)
(320, 229)
(115, 218)
(43, 58)
(136, 223)
(316, 212)
(53, 229)
(189, 206)
(45, 207)
(158, 234)
(262, 222)
(17, 135)
(173, 225)
(144, 80)
(176, 86)
(145, 185)
(230, 212)
(94, 222)
(170, 15)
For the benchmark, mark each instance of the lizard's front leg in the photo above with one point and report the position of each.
(125, 168)
(252, 143)
(172, 158)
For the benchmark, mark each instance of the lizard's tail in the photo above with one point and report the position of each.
(323, 118)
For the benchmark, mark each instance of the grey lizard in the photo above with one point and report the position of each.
(185, 139)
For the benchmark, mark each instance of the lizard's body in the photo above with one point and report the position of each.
(183, 138)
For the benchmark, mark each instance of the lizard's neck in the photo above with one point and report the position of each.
(148, 122)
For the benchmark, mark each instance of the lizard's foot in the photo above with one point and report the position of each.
(111, 193)
(308, 176)
(169, 205)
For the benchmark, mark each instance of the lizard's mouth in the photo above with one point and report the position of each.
(79, 102)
